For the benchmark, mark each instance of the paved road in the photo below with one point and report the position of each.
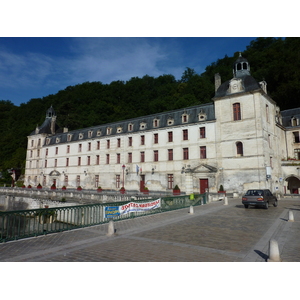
(214, 233)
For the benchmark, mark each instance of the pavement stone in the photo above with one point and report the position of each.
(214, 233)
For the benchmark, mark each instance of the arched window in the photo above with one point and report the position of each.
(239, 149)
(236, 111)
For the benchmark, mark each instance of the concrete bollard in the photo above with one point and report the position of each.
(191, 209)
(274, 255)
(111, 228)
(225, 201)
(291, 216)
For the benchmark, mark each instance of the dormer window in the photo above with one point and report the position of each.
(202, 116)
(99, 132)
(143, 126)
(108, 130)
(57, 140)
(130, 127)
(185, 118)
(69, 137)
(80, 136)
(170, 121)
(47, 141)
(119, 129)
(90, 133)
(155, 123)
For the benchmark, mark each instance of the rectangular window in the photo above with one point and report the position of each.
(46, 151)
(203, 152)
(155, 155)
(88, 160)
(129, 157)
(79, 161)
(39, 142)
(185, 135)
(38, 152)
(297, 154)
(56, 150)
(236, 111)
(45, 163)
(118, 158)
(119, 143)
(66, 180)
(202, 132)
(89, 146)
(142, 156)
(79, 147)
(155, 138)
(142, 140)
(31, 153)
(170, 136)
(130, 141)
(185, 153)
(55, 163)
(117, 181)
(170, 181)
(296, 137)
(78, 180)
(108, 144)
(97, 159)
(107, 159)
(170, 154)
(96, 181)
(68, 149)
(98, 145)
(44, 180)
(67, 162)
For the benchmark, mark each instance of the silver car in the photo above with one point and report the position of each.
(260, 197)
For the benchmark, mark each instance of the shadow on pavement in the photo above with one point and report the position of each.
(263, 255)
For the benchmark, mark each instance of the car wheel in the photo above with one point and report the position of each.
(266, 205)
(246, 205)
(275, 203)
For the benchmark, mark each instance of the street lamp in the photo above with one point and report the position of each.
(123, 167)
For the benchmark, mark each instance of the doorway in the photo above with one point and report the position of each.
(142, 183)
(203, 185)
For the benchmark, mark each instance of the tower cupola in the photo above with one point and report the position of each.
(50, 113)
(241, 67)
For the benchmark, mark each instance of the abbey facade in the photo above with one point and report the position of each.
(240, 140)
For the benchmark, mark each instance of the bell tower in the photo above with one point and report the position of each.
(241, 67)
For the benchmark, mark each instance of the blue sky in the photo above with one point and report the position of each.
(36, 67)
(46, 47)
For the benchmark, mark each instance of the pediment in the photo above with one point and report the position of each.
(204, 168)
(54, 173)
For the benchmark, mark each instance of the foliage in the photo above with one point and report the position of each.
(176, 188)
(275, 60)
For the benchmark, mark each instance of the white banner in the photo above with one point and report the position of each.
(113, 211)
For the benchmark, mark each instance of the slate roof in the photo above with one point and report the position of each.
(176, 115)
(248, 83)
(288, 114)
(46, 128)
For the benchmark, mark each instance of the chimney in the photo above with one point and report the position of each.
(53, 120)
(217, 81)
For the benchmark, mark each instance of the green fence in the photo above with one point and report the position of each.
(27, 223)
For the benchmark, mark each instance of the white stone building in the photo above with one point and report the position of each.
(240, 140)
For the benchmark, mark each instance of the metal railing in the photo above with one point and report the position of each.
(28, 223)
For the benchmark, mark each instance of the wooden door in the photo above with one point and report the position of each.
(203, 185)
(142, 183)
